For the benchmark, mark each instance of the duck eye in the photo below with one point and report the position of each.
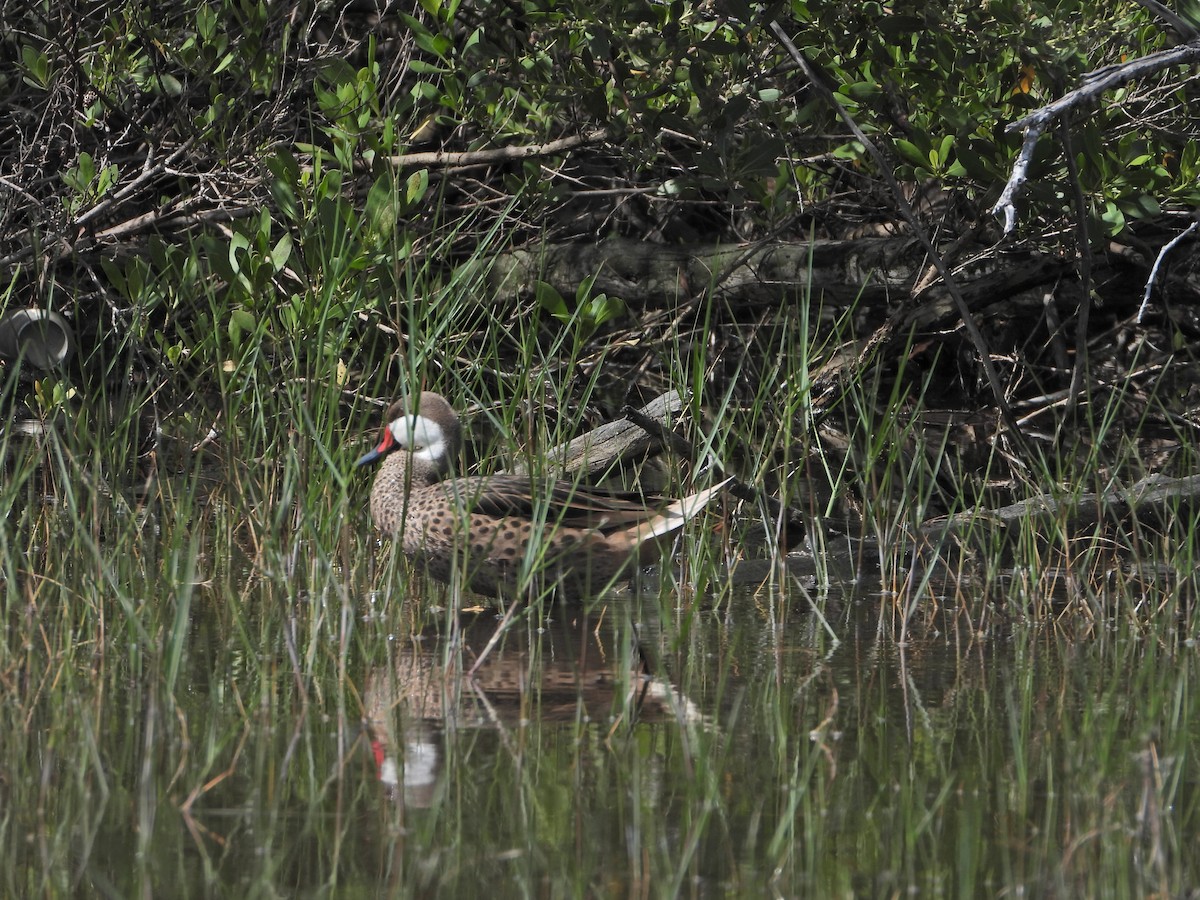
(416, 432)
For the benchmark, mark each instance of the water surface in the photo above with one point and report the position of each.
(303, 730)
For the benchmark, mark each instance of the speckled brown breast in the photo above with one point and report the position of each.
(440, 528)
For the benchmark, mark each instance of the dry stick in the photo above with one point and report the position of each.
(1034, 125)
(598, 450)
(498, 154)
(964, 311)
(150, 171)
(177, 217)
(1154, 495)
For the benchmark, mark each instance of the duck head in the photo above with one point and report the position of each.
(428, 430)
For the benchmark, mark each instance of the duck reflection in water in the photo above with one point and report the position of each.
(575, 667)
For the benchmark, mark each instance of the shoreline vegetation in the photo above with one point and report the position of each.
(800, 235)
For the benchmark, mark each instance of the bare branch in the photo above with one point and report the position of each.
(1162, 254)
(1094, 84)
(499, 154)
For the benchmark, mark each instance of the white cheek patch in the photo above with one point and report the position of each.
(421, 435)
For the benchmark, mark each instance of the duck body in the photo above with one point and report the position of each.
(500, 533)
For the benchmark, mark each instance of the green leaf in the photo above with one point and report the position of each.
(116, 277)
(761, 159)
(415, 187)
(1113, 218)
(850, 150)
(603, 308)
(861, 90)
(238, 243)
(86, 169)
(240, 323)
(945, 147)
(381, 204)
(585, 289)
(973, 161)
(243, 319)
(910, 152)
(552, 301)
(436, 44)
(285, 199)
(206, 22)
(281, 252)
(1140, 206)
(426, 68)
(108, 177)
(37, 67)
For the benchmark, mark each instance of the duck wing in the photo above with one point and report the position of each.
(562, 503)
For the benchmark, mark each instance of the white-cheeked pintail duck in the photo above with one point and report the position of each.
(492, 528)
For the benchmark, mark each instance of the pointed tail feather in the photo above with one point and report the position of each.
(677, 514)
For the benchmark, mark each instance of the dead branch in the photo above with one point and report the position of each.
(1094, 84)
(596, 452)
(498, 154)
(1153, 496)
